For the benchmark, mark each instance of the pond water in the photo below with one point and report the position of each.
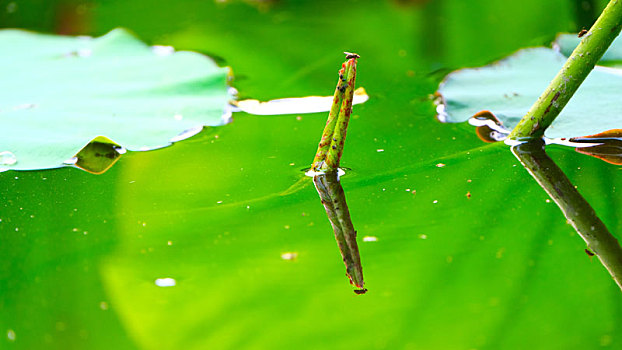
(221, 242)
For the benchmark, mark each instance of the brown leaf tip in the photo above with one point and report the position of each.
(360, 291)
(350, 55)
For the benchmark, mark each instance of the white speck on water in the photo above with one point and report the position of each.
(169, 243)
(547, 200)
(408, 190)
(435, 201)
(7, 158)
(440, 165)
(289, 255)
(422, 236)
(178, 117)
(165, 282)
(370, 239)
(16, 229)
(10, 334)
(103, 305)
(380, 150)
(219, 202)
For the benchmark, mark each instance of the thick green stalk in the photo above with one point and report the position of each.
(573, 73)
(576, 209)
(331, 145)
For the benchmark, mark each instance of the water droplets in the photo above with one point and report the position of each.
(7, 158)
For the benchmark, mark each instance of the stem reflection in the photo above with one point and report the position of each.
(334, 201)
(576, 209)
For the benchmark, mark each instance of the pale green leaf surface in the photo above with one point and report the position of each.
(509, 87)
(59, 93)
(566, 43)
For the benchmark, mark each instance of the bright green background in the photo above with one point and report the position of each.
(501, 270)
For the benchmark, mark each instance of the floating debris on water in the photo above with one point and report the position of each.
(370, 239)
(289, 256)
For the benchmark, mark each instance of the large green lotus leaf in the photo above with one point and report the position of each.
(509, 87)
(59, 93)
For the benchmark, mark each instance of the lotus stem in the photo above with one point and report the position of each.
(331, 145)
(573, 73)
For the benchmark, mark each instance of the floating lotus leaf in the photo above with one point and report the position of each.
(60, 93)
(509, 87)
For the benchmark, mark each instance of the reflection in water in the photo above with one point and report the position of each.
(576, 209)
(334, 201)
(605, 145)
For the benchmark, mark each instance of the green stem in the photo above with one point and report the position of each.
(573, 73)
(339, 136)
(576, 209)
(331, 145)
(329, 129)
